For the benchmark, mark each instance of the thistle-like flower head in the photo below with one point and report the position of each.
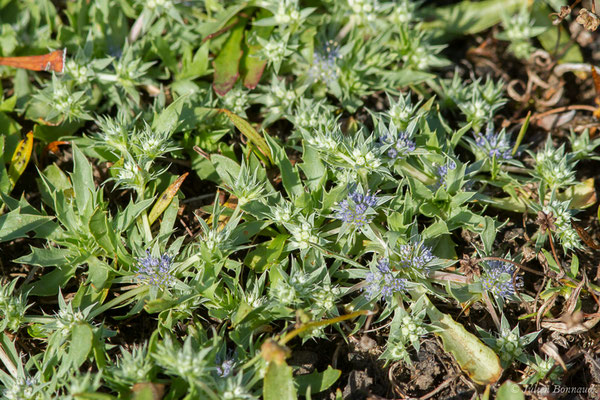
(355, 208)
(155, 271)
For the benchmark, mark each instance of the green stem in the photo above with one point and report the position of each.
(117, 300)
(315, 324)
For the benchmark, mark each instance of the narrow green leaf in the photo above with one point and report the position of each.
(318, 381)
(521, 133)
(278, 383)
(226, 65)
(289, 173)
(4, 179)
(83, 180)
(250, 133)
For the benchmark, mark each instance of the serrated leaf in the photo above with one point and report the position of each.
(168, 119)
(15, 225)
(165, 198)
(125, 218)
(49, 257)
(52, 281)
(102, 232)
(20, 159)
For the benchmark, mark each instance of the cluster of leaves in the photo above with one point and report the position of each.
(367, 214)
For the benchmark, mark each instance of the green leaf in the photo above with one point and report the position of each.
(252, 66)
(83, 180)
(101, 231)
(313, 168)
(488, 235)
(168, 119)
(318, 381)
(510, 391)
(49, 257)
(196, 66)
(52, 281)
(278, 383)
(468, 17)
(4, 180)
(82, 337)
(250, 133)
(266, 254)
(226, 65)
(582, 195)
(125, 218)
(15, 225)
(289, 173)
(474, 358)
(226, 168)
(98, 272)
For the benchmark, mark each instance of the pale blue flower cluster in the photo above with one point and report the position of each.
(415, 256)
(442, 172)
(155, 271)
(401, 145)
(383, 282)
(494, 144)
(494, 282)
(323, 67)
(353, 210)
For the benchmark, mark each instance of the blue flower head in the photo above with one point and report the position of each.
(225, 368)
(354, 209)
(415, 256)
(382, 283)
(323, 67)
(400, 145)
(442, 172)
(494, 144)
(497, 279)
(155, 271)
